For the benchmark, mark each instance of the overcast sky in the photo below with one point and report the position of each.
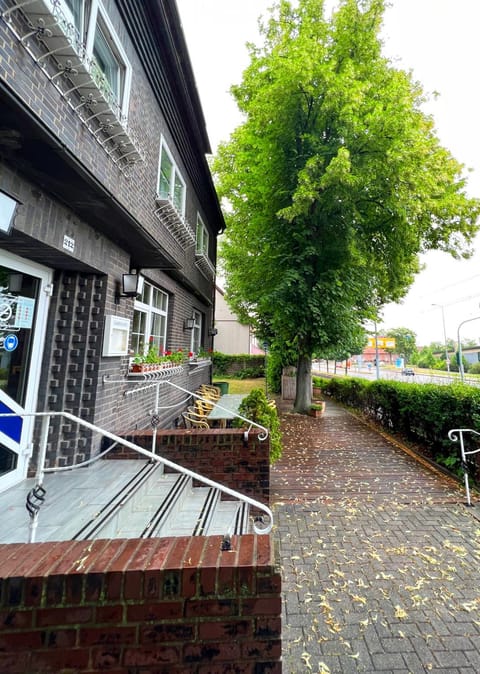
(438, 41)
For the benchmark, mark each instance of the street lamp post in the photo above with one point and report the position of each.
(444, 334)
(460, 361)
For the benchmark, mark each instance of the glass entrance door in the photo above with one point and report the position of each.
(23, 310)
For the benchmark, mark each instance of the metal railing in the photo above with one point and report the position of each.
(456, 435)
(151, 381)
(37, 495)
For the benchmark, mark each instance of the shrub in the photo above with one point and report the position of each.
(257, 408)
(242, 366)
(420, 413)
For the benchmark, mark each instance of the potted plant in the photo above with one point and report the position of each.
(317, 408)
(138, 363)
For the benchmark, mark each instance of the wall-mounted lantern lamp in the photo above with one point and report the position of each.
(212, 332)
(132, 284)
(189, 323)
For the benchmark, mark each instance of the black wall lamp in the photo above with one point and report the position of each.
(132, 285)
(189, 323)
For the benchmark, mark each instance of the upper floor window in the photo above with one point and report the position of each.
(74, 11)
(109, 67)
(150, 320)
(170, 183)
(201, 246)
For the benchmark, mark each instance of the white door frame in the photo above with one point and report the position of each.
(24, 447)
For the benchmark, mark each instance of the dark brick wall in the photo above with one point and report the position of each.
(134, 189)
(240, 464)
(75, 377)
(169, 605)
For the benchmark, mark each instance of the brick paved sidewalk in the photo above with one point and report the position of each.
(380, 557)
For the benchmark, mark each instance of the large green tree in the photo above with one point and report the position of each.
(405, 342)
(333, 184)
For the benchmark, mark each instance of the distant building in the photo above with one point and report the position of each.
(384, 348)
(232, 337)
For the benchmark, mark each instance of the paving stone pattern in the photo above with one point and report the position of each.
(380, 556)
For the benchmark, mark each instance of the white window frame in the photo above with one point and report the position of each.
(196, 339)
(149, 310)
(70, 16)
(202, 237)
(99, 16)
(93, 14)
(175, 175)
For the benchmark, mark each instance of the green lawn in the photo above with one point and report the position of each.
(242, 385)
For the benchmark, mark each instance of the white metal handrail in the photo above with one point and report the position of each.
(46, 417)
(148, 383)
(456, 435)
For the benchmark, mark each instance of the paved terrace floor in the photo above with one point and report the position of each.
(380, 557)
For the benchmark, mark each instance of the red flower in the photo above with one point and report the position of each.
(190, 354)
(168, 353)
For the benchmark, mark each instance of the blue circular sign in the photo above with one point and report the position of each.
(10, 342)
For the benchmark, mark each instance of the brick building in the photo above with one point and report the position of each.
(103, 172)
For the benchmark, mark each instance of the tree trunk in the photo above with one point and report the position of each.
(303, 398)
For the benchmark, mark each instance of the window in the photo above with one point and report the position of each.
(170, 183)
(196, 344)
(150, 319)
(108, 63)
(74, 12)
(202, 238)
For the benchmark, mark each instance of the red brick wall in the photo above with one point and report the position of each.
(223, 456)
(161, 606)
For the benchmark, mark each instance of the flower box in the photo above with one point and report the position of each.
(317, 408)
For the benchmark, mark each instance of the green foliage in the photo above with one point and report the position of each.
(404, 342)
(474, 368)
(320, 382)
(335, 181)
(421, 413)
(426, 358)
(221, 363)
(243, 366)
(257, 408)
(278, 358)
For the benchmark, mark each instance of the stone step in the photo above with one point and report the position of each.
(121, 499)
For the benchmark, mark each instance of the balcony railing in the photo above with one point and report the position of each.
(174, 221)
(206, 267)
(55, 45)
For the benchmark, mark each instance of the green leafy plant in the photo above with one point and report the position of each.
(257, 408)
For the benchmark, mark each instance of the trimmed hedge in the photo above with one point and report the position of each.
(421, 413)
(242, 366)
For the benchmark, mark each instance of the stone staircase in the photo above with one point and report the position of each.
(154, 504)
(123, 499)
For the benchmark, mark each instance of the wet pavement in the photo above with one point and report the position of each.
(380, 556)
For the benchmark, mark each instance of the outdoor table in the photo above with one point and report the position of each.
(230, 402)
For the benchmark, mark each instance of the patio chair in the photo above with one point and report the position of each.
(196, 421)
